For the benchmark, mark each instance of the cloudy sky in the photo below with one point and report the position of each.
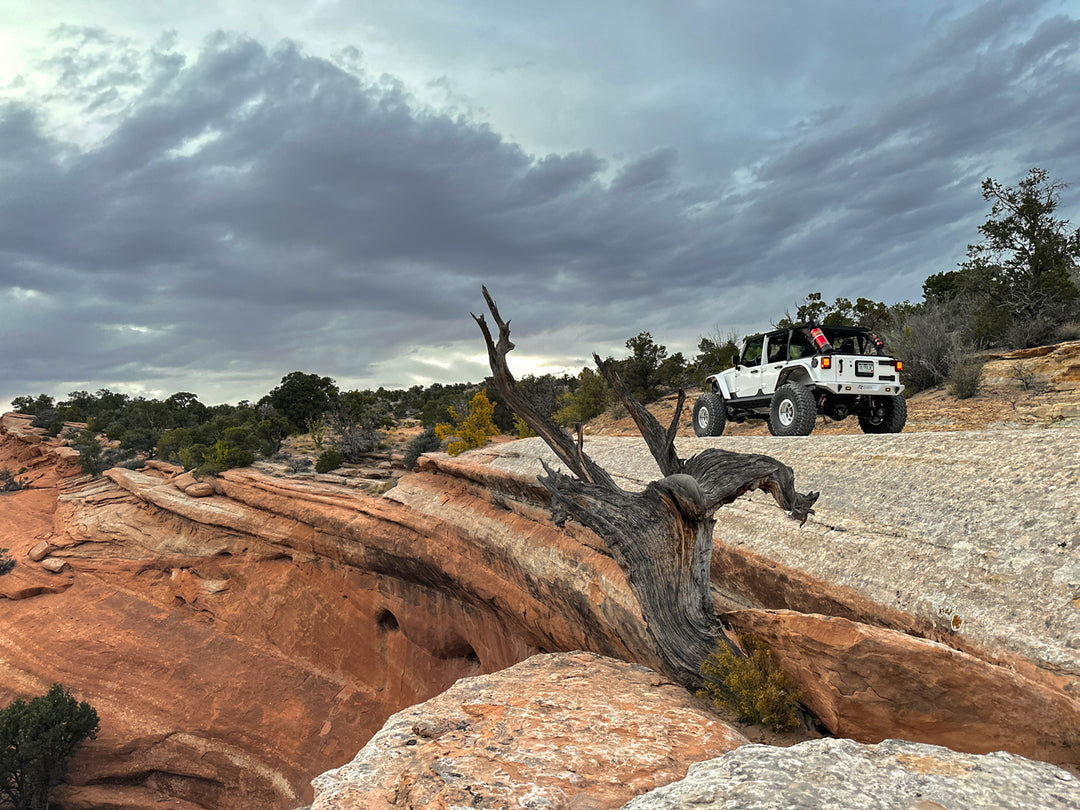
(207, 196)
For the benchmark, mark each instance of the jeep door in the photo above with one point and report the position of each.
(776, 346)
(746, 381)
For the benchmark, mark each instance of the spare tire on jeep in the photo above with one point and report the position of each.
(709, 415)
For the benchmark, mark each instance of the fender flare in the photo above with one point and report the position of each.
(719, 385)
(796, 374)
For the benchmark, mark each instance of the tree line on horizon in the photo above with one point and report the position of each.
(1018, 287)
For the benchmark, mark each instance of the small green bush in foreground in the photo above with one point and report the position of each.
(754, 687)
(329, 460)
(37, 737)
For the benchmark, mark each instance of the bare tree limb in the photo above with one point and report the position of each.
(655, 436)
(561, 443)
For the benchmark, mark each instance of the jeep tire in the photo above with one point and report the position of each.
(793, 411)
(709, 415)
(884, 415)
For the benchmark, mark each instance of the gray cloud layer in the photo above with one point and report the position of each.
(253, 210)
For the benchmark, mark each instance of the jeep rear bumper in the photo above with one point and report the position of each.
(861, 388)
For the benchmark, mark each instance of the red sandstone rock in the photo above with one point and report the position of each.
(200, 489)
(182, 482)
(871, 684)
(40, 551)
(567, 730)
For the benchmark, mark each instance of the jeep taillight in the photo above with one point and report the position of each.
(899, 365)
(826, 362)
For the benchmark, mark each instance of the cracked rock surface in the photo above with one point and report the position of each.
(844, 775)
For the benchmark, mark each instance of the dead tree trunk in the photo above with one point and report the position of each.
(661, 537)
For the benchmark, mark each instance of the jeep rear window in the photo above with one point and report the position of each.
(844, 342)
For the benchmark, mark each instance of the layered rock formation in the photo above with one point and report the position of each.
(237, 643)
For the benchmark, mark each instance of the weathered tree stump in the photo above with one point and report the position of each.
(661, 537)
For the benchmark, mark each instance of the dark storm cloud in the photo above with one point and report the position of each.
(251, 186)
(251, 211)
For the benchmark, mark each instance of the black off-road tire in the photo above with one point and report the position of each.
(709, 415)
(884, 415)
(793, 411)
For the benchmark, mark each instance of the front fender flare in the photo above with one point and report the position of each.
(719, 385)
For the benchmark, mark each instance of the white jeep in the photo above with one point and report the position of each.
(789, 376)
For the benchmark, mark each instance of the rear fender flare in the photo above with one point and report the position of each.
(798, 374)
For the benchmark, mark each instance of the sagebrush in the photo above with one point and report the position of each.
(755, 687)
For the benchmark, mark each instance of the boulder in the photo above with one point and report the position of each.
(845, 775)
(183, 481)
(200, 489)
(557, 730)
(40, 551)
(54, 565)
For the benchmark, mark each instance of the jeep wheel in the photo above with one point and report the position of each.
(793, 411)
(709, 415)
(884, 415)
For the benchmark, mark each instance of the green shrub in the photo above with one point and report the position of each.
(8, 481)
(754, 687)
(192, 456)
(329, 460)
(171, 442)
(89, 452)
(136, 439)
(224, 455)
(37, 738)
(6, 563)
(269, 432)
(49, 419)
(115, 431)
(426, 442)
(965, 376)
(588, 400)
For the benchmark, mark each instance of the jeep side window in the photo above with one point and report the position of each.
(801, 345)
(778, 348)
(752, 353)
